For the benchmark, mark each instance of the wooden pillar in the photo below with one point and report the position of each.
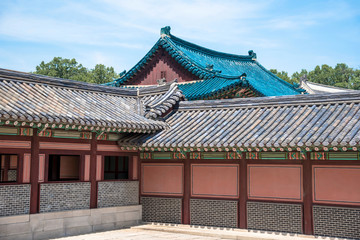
(186, 199)
(139, 177)
(243, 193)
(34, 174)
(308, 213)
(93, 191)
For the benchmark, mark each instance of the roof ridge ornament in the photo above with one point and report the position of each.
(252, 54)
(245, 82)
(303, 78)
(209, 67)
(161, 81)
(165, 31)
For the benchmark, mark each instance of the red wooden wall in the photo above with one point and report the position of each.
(159, 63)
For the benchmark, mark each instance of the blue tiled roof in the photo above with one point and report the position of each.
(207, 88)
(218, 70)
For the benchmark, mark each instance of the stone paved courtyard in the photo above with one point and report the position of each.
(178, 232)
(136, 234)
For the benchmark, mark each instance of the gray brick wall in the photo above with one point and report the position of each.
(163, 210)
(64, 196)
(122, 193)
(337, 221)
(274, 217)
(218, 213)
(14, 199)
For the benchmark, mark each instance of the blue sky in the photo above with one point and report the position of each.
(286, 35)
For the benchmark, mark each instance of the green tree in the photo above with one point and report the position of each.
(355, 82)
(343, 76)
(71, 69)
(63, 68)
(102, 74)
(324, 75)
(339, 76)
(283, 75)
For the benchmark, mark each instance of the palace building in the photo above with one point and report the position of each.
(227, 145)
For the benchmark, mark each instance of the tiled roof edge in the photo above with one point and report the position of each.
(279, 79)
(10, 75)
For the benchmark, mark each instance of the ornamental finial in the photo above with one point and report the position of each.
(303, 78)
(252, 54)
(165, 31)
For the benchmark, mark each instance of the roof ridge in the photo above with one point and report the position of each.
(7, 75)
(329, 86)
(207, 51)
(304, 99)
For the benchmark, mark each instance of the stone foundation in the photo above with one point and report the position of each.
(67, 223)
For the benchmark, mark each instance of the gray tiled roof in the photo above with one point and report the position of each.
(39, 99)
(286, 121)
(159, 104)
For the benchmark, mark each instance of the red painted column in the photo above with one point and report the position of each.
(34, 174)
(186, 198)
(93, 191)
(139, 177)
(308, 213)
(243, 193)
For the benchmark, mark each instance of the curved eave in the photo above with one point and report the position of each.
(281, 81)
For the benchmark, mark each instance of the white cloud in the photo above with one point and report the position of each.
(88, 29)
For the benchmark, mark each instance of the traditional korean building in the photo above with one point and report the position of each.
(77, 157)
(203, 73)
(207, 74)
